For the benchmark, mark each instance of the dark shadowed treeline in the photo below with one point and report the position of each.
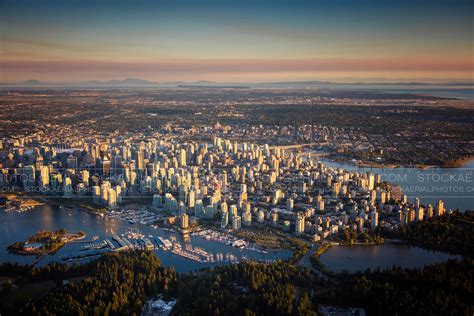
(441, 289)
(452, 233)
(119, 284)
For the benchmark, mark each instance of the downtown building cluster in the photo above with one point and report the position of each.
(235, 184)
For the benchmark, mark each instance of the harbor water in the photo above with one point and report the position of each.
(362, 257)
(19, 226)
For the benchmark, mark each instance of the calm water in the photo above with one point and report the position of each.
(18, 226)
(453, 185)
(362, 257)
(460, 92)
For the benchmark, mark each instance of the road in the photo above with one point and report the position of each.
(38, 259)
(306, 262)
(294, 146)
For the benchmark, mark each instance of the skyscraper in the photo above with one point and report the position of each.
(440, 208)
(184, 221)
(236, 222)
(374, 219)
(28, 177)
(299, 224)
(182, 158)
(139, 160)
(224, 219)
(44, 177)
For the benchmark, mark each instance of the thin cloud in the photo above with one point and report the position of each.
(242, 65)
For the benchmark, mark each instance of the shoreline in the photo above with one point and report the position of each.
(458, 163)
(462, 162)
(69, 238)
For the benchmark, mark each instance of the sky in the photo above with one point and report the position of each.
(237, 41)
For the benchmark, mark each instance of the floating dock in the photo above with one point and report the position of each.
(163, 243)
(76, 255)
(95, 245)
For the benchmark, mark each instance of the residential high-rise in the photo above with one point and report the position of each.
(274, 218)
(44, 177)
(247, 218)
(224, 219)
(236, 222)
(184, 221)
(417, 203)
(374, 219)
(139, 160)
(112, 198)
(182, 158)
(419, 213)
(28, 177)
(440, 208)
(299, 224)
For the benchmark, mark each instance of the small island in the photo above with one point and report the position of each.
(45, 242)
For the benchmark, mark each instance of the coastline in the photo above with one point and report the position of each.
(458, 163)
(65, 239)
(47, 200)
(462, 162)
(362, 164)
(20, 201)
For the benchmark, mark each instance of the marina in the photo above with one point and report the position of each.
(226, 239)
(95, 245)
(163, 243)
(196, 254)
(79, 255)
(135, 216)
(19, 209)
(172, 249)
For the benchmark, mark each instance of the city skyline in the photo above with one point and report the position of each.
(226, 157)
(246, 42)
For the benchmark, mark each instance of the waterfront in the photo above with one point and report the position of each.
(453, 185)
(445, 91)
(17, 226)
(362, 257)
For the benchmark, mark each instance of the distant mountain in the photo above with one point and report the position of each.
(33, 82)
(458, 83)
(89, 83)
(137, 82)
(329, 83)
(131, 81)
(311, 82)
(197, 86)
(200, 83)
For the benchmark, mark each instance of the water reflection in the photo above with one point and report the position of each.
(17, 227)
(362, 257)
(453, 185)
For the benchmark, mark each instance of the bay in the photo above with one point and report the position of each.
(455, 186)
(19, 226)
(362, 257)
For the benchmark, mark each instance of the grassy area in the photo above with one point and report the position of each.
(84, 203)
(48, 242)
(140, 200)
(266, 238)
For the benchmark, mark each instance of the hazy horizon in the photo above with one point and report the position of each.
(337, 81)
(245, 42)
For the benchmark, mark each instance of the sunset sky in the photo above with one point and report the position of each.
(236, 41)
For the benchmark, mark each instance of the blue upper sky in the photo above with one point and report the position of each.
(236, 40)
